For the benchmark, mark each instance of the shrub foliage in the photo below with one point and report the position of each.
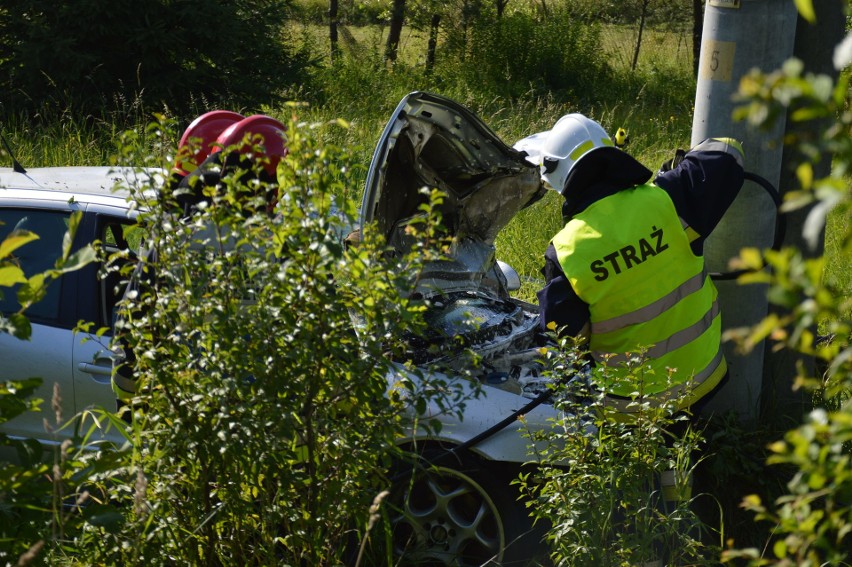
(262, 428)
(813, 519)
(521, 52)
(600, 486)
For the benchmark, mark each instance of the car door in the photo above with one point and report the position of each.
(99, 288)
(47, 353)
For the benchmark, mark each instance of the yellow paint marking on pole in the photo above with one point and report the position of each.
(717, 60)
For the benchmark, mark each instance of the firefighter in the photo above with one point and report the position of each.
(247, 149)
(250, 149)
(195, 145)
(626, 274)
(198, 139)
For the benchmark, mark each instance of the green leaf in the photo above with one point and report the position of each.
(751, 258)
(16, 325)
(104, 516)
(29, 451)
(11, 275)
(763, 329)
(808, 113)
(15, 241)
(33, 290)
(805, 173)
(752, 502)
(78, 259)
(816, 481)
(806, 10)
(68, 239)
(13, 397)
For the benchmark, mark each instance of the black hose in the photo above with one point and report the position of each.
(500, 425)
(780, 223)
(494, 429)
(780, 219)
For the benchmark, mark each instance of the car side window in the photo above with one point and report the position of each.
(35, 257)
(120, 241)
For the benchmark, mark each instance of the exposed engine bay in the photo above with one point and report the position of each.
(503, 334)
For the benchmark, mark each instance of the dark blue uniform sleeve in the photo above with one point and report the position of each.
(702, 187)
(558, 303)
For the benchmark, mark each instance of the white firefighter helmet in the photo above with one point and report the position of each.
(558, 150)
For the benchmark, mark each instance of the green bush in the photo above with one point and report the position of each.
(310, 11)
(480, 60)
(812, 520)
(349, 13)
(599, 486)
(262, 429)
(519, 53)
(670, 14)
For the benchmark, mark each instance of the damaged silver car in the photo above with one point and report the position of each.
(458, 508)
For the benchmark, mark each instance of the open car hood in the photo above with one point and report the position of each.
(431, 141)
(434, 142)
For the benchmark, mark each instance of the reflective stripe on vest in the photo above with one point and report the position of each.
(628, 257)
(690, 232)
(686, 394)
(648, 312)
(671, 343)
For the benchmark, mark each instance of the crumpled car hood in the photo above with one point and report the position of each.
(431, 141)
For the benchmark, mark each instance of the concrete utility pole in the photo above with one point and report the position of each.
(738, 36)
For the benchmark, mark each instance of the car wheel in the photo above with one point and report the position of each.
(458, 512)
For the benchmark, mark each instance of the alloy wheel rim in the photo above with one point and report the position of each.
(445, 518)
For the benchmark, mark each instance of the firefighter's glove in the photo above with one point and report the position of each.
(580, 387)
(670, 164)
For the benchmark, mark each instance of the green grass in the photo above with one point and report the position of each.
(838, 257)
(66, 142)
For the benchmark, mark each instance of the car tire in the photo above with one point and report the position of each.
(459, 510)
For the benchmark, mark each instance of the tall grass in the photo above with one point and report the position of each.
(838, 260)
(67, 141)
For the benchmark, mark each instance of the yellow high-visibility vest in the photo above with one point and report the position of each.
(628, 257)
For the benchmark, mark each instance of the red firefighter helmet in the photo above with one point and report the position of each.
(271, 133)
(197, 140)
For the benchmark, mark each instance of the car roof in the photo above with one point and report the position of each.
(82, 183)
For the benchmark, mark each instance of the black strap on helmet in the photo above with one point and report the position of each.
(550, 164)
